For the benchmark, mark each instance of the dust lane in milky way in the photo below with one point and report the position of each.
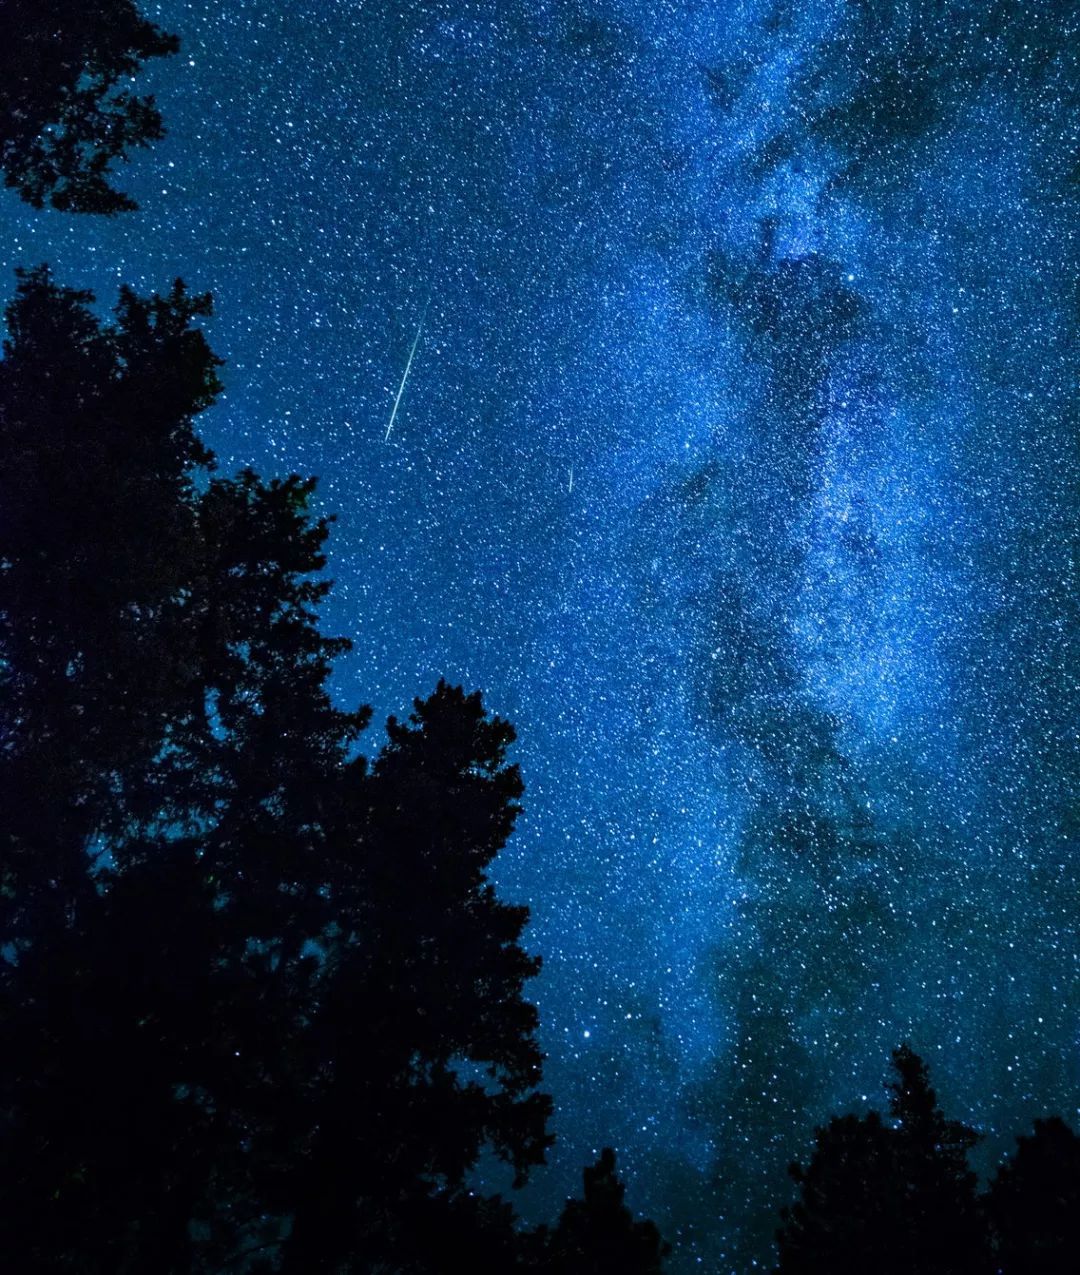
(737, 465)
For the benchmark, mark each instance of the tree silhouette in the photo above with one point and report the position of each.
(937, 1183)
(891, 1198)
(597, 1235)
(259, 997)
(424, 1049)
(264, 1009)
(157, 630)
(110, 1132)
(1034, 1203)
(64, 119)
(98, 533)
(849, 1205)
(157, 643)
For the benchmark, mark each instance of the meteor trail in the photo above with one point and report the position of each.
(405, 374)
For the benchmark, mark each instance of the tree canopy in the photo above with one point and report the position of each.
(899, 1195)
(259, 993)
(1034, 1203)
(598, 1234)
(892, 1197)
(66, 111)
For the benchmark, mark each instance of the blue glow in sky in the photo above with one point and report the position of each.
(737, 465)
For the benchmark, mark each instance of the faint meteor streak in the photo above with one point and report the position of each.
(405, 374)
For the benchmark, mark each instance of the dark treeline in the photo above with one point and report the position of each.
(262, 1008)
(899, 1196)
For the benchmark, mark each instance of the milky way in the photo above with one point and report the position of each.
(791, 291)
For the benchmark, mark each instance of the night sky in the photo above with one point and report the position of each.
(737, 464)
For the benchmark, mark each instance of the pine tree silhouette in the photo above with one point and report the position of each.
(597, 1235)
(260, 997)
(424, 1046)
(891, 1198)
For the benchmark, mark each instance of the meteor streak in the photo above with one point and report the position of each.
(405, 374)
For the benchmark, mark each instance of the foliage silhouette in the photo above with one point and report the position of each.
(893, 1198)
(1034, 1203)
(264, 1010)
(900, 1197)
(597, 1235)
(422, 1050)
(98, 536)
(260, 997)
(64, 119)
(156, 633)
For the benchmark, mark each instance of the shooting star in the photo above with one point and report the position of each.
(405, 374)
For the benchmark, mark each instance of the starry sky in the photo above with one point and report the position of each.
(737, 464)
